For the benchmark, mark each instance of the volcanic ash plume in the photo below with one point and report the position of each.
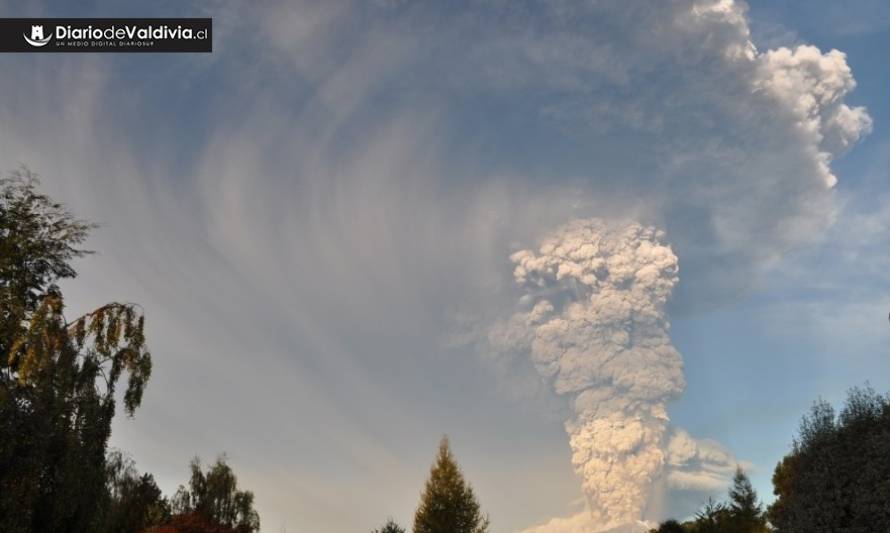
(594, 326)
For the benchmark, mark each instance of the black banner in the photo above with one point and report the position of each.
(106, 35)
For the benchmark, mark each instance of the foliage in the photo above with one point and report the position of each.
(837, 477)
(670, 526)
(713, 518)
(38, 241)
(390, 527)
(448, 504)
(215, 495)
(58, 378)
(742, 514)
(745, 511)
(193, 522)
(132, 502)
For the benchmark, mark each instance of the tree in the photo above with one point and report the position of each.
(191, 523)
(713, 518)
(837, 476)
(448, 504)
(390, 527)
(38, 241)
(670, 526)
(132, 502)
(58, 378)
(745, 512)
(215, 496)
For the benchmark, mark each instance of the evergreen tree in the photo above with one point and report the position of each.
(58, 378)
(670, 526)
(448, 504)
(745, 512)
(713, 518)
(390, 527)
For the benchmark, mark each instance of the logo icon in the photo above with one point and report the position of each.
(37, 38)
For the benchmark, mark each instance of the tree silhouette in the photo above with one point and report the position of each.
(58, 378)
(670, 526)
(448, 504)
(133, 502)
(390, 527)
(837, 477)
(745, 512)
(215, 495)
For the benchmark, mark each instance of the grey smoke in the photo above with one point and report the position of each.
(599, 334)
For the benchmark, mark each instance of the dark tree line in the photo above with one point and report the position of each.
(743, 513)
(837, 477)
(59, 384)
(835, 480)
(132, 501)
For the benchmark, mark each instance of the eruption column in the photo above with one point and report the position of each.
(595, 327)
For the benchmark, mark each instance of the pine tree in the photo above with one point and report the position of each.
(448, 504)
(742, 514)
(746, 513)
(390, 527)
(712, 518)
(670, 526)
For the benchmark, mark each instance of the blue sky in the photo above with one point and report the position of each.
(318, 219)
(818, 327)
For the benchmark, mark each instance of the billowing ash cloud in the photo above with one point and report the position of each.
(726, 147)
(595, 327)
(696, 465)
(741, 142)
